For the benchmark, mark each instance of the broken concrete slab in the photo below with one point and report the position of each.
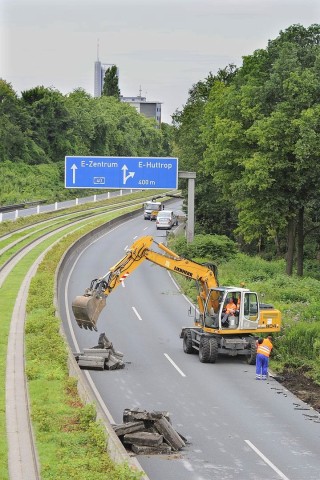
(105, 343)
(106, 357)
(114, 363)
(97, 352)
(157, 436)
(125, 428)
(144, 438)
(138, 414)
(163, 449)
(87, 361)
(169, 434)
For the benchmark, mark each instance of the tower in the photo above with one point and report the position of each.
(99, 73)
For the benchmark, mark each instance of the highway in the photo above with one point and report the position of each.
(237, 428)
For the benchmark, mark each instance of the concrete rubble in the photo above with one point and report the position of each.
(101, 357)
(147, 433)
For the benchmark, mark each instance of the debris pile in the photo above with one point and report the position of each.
(147, 433)
(102, 357)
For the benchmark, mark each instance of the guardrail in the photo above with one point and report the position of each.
(6, 210)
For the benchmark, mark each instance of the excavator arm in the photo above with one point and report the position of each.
(87, 308)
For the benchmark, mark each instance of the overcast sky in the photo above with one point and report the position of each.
(164, 46)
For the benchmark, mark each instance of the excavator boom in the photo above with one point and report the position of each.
(87, 307)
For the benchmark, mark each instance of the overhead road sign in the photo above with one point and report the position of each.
(121, 172)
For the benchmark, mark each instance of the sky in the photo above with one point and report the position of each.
(162, 47)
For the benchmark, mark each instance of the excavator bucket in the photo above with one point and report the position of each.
(86, 309)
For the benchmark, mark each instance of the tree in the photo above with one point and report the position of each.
(256, 134)
(111, 83)
(52, 124)
(189, 147)
(16, 142)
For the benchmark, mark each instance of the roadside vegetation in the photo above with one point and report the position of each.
(297, 346)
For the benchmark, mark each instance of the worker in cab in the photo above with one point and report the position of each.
(230, 309)
(237, 301)
(264, 347)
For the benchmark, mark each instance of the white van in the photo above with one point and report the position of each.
(151, 210)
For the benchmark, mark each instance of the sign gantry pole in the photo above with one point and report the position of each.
(191, 176)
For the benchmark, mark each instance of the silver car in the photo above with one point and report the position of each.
(166, 219)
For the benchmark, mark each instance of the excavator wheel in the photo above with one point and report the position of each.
(208, 350)
(86, 309)
(187, 342)
(251, 358)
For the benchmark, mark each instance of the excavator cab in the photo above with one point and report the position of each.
(87, 308)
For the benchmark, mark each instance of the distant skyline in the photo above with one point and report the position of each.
(162, 46)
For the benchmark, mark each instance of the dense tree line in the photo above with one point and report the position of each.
(251, 133)
(38, 129)
(253, 136)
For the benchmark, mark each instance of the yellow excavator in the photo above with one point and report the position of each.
(216, 329)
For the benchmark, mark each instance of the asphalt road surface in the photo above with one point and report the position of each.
(237, 428)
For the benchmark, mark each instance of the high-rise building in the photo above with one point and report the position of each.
(99, 73)
(144, 107)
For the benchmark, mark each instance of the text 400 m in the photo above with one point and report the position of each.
(147, 182)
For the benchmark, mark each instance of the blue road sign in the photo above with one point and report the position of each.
(121, 172)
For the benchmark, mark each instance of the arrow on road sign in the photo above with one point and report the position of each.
(125, 177)
(74, 168)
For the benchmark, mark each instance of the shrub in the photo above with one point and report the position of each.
(217, 248)
(300, 341)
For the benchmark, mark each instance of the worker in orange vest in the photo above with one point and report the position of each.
(229, 309)
(264, 348)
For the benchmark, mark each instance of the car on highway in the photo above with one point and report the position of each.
(166, 219)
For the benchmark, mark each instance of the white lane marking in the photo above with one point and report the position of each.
(266, 460)
(174, 364)
(146, 228)
(135, 311)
